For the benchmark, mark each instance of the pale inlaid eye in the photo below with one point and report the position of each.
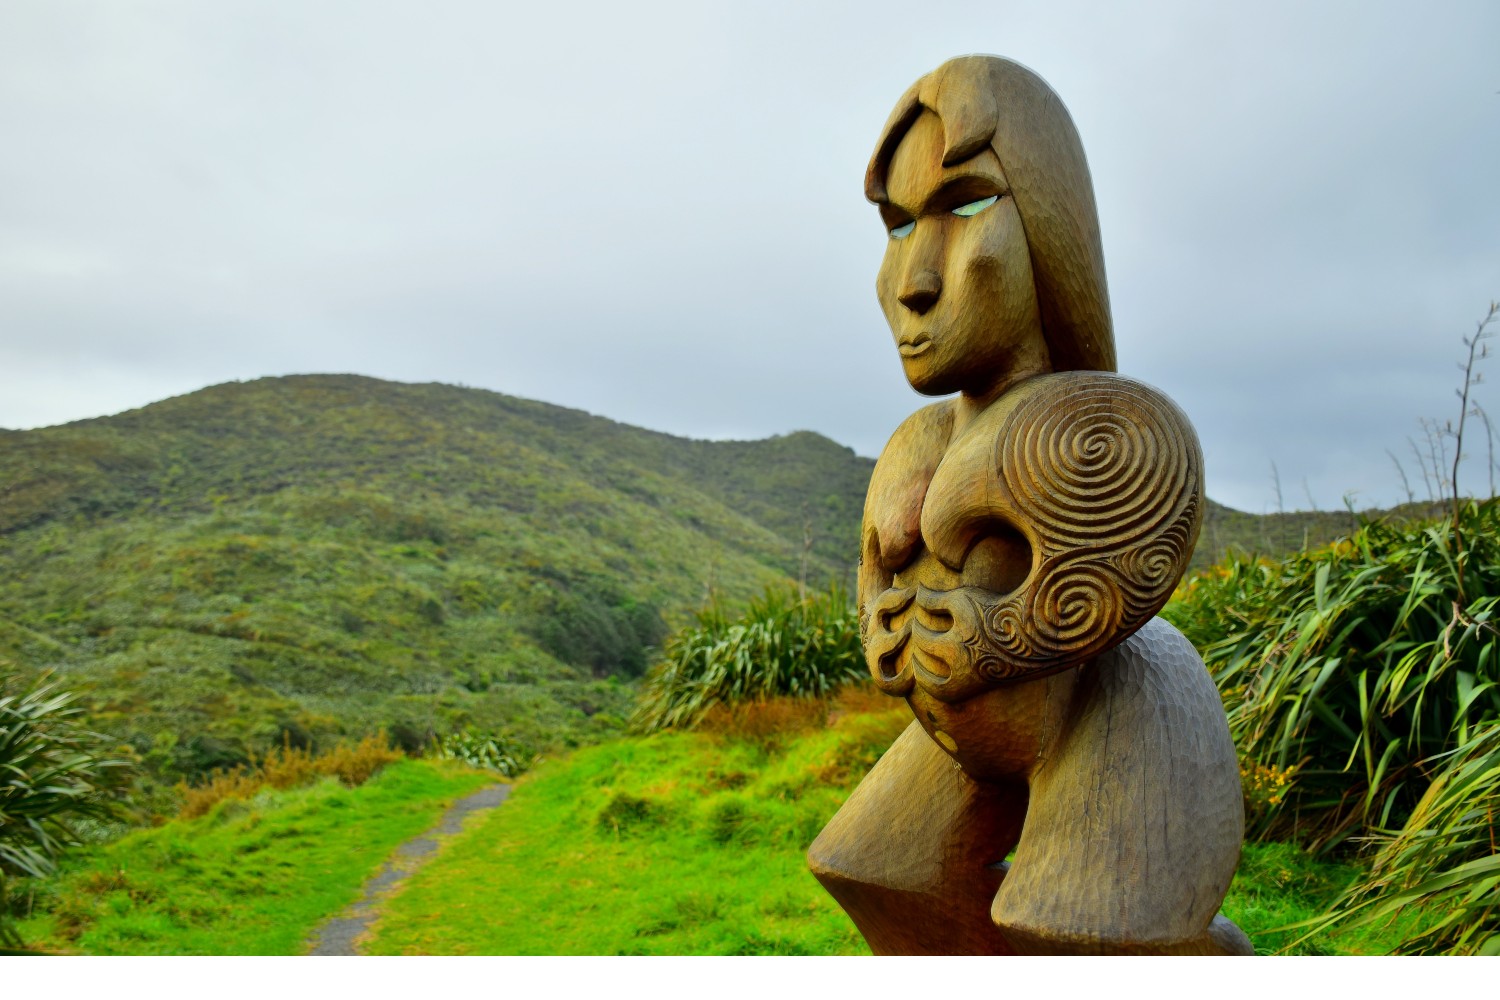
(902, 231)
(975, 207)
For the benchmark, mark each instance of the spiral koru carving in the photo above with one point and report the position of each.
(1105, 475)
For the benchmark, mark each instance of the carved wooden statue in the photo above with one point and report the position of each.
(1018, 539)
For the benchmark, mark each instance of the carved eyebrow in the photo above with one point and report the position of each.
(961, 188)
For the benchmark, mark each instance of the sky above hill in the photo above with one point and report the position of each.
(654, 211)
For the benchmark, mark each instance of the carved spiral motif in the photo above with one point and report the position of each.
(1105, 473)
(1103, 477)
(1072, 605)
(1094, 460)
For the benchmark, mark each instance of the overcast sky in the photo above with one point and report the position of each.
(654, 211)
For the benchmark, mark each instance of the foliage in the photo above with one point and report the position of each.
(1443, 859)
(767, 723)
(1354, 664)
(315, 558)
(1278, 887)
(491, 752)
(781, 645)
(53, 773)
(249, 877)
(1362, 685)
(289, 767)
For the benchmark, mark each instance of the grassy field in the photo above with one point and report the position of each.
(678, 843)
(692, 843)
(249, 877)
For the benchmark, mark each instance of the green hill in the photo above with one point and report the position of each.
(297, 558)
(1281, 534)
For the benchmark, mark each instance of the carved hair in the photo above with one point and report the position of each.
(986, 101)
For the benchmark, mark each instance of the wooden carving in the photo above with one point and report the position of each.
(1018, 539)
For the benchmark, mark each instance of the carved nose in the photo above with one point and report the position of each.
(922, 291)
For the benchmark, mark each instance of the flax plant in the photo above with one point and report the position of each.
(781, 645)
(53, 773)
(1354, 664)
(1444, 860)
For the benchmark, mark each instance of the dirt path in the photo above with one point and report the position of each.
(338, 935)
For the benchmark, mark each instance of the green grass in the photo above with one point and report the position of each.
(248, 878)
(678, 843)
(670, 844)
(692, 844)
(1279, 885)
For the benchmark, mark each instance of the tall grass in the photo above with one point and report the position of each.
(1355, 665)
(288, 767)
(1363, 678)
(1444, 860)
(781, 645)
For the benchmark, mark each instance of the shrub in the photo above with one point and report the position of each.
(52, 774)
(288, 767)
(357, 764)
(1353, 664)
(492, 752)
(765, 723)
(625, 814)
(780, 646)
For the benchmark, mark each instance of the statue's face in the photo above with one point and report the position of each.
(956, 282)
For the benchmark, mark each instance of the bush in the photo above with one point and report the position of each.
(53, 773)
(494, 752)
(625, 814)
(288, 767)
(592, 626)
(765, 723)
(1444, 860)
(780, 646)
(1362, 684)
(1351, 665)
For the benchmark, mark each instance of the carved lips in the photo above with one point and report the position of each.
(914, 347)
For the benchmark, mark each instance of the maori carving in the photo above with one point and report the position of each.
(1103, 477)
(1018, 539)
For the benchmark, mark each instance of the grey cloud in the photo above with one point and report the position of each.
(653, 211)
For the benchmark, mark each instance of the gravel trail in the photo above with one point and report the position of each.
(338, 935)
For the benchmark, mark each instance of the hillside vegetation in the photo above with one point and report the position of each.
(291, 561)
(297, 559)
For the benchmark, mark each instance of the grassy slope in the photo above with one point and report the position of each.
(685, 843)
(251, 878)
(314, 556)
(1225, 528)
(671, 844)
(678, 843)
(311, 557)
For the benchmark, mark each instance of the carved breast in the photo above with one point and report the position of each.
(1059, 523)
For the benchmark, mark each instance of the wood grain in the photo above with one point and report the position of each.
(1018, 539)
